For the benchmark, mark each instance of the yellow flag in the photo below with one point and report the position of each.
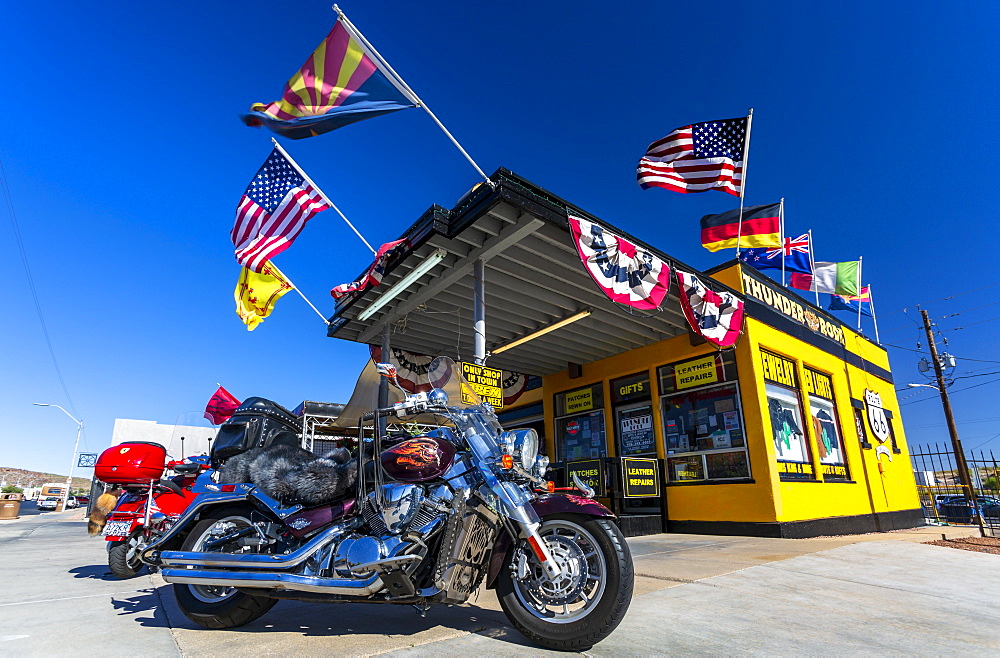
(256, 294)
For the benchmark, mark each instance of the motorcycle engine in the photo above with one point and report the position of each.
(405, 510)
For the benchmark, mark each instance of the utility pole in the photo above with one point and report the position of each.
(956, 443)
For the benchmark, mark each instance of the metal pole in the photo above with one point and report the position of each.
(860, 288)
(383, 384)
(781, 237)
(956, 444)
(812, 266)
(479, 313)
(743, 180)
(871, 307)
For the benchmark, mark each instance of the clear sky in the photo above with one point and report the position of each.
(125, 159)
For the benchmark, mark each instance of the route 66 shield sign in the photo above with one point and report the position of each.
(877, 421)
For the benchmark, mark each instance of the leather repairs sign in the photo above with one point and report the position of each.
(640, 478)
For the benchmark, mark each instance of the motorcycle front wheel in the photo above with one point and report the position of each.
(219, 606)
(583, 605)
(123, 556)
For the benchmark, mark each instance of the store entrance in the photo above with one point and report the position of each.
(634, 438)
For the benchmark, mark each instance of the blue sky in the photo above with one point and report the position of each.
(125, 158)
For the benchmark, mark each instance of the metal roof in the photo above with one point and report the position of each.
(534, 278)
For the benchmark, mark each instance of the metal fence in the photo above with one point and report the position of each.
(944, 497)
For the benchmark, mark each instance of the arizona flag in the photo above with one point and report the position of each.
(221, 407)
(760, 228)
(855, 304)
(833, 278)
(257, 292)
(341, 83)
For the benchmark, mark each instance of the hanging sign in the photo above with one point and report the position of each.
(86, 460)
(696, 372)
(877, 421)
(590, 472)
(640, 477)
(486, 382)
(577, 401)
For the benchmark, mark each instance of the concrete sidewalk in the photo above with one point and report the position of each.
(697, 594)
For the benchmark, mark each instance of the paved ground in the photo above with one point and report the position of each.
(694, 595)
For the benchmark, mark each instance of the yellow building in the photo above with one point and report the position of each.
(794, 432)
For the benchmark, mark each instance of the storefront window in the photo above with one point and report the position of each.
(580, 424)
(825, 425)
(703, 420)
(785, 413)
(633, 412)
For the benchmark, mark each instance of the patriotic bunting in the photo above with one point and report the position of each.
(626, 273)
(718, 317)
(374, 275)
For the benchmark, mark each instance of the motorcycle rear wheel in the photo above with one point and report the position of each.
(123, 557)
(219, 606)
(580, 609)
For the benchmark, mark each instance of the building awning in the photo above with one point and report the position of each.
(534, 281)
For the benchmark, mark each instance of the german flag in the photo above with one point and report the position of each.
(760, 228)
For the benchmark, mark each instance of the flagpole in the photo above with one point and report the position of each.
(860, 288)
(743, 180)
(812, 266)
(322, 194)
(781, 237)
(416, 99)
(871, 306)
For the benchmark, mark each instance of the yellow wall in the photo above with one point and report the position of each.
(875, 486)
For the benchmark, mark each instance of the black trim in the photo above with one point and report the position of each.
(857, 404)
(836, 481)
(760, 311)
(837, 525)
(690, 483)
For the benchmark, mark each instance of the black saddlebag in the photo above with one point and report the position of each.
(257, 423)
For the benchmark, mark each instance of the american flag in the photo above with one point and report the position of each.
(695, 158)
(273, 211)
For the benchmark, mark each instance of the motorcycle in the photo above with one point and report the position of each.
(147, 506)
(455, 504)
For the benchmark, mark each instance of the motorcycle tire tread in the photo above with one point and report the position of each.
(241, 609)
(118, 561)
(618, 607)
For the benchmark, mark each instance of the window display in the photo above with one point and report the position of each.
(826, 428)
(785, 413)
(703, 417)
(580, 424)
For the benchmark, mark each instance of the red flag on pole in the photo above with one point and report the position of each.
(221, 407)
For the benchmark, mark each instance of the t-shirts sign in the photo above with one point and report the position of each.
(486, 382)
(696, 372)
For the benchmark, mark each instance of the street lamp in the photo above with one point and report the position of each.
(926, 385)
(79, 427)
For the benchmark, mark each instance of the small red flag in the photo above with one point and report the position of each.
(221, 407)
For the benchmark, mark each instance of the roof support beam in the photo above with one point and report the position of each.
(495, 245)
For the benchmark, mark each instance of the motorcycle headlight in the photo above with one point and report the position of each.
(524, 444)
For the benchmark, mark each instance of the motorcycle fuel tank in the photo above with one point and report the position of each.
(418, 458)
(131, 463)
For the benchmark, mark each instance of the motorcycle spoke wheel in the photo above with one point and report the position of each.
(571, 596)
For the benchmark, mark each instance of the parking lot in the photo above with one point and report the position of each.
(694, 595)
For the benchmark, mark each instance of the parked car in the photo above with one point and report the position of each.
(48, 502)
(83, 500)
(72, 502)
(961, 507)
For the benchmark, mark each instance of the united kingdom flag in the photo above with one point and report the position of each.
(793, 251)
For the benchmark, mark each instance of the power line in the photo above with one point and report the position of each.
(943, 299)
(971, 324)
(31, 284)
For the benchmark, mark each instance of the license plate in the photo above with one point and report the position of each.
(117, 528)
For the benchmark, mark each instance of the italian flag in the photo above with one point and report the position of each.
(832, 278)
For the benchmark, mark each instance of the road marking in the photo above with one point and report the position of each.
(71, 598)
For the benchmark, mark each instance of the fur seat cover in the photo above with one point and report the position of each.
(293, 475)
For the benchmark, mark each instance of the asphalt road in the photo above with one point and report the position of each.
(700, 595)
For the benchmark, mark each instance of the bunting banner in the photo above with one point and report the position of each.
(627, 274)
(375, 272)
(716, 316)
(416, 373)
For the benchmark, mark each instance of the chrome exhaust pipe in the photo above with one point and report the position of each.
(257, 560)
(280, 580)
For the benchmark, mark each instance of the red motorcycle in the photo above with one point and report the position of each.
(148, 504)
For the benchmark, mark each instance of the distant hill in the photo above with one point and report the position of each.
(25, 478)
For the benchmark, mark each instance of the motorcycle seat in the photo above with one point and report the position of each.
(186, 469)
